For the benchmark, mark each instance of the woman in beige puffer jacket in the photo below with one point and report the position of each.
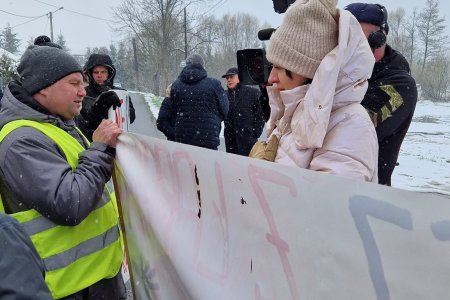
(320, 124)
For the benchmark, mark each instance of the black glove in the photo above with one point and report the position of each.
(104, 87)
(107, 99)
(99, 109)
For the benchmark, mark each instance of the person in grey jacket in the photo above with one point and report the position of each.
(20, 265)
(34, 170)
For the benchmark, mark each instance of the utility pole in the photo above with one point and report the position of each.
(50, 16)
(136, 65)
(185, 35)
(51, 25)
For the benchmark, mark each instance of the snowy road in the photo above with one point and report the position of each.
(145, 123)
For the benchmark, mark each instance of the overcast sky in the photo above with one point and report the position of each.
(84, 23)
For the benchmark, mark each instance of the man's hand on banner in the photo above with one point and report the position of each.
(99, 109)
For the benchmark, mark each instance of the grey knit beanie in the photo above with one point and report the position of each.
(195, 59)
(309, 32)
(44, 40)
(41, 66)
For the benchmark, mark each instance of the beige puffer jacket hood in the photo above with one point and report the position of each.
(323, 126)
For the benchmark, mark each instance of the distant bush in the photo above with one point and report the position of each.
(157, 100)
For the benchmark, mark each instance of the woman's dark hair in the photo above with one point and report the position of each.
(289, 74)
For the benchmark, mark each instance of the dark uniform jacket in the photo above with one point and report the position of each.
(390, 100)
(245, 121)
(201, 105)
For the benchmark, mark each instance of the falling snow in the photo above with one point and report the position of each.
(424, 160)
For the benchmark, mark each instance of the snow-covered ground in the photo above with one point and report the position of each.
(154, 108)
(424, 160)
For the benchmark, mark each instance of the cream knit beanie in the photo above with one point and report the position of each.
(309, 32)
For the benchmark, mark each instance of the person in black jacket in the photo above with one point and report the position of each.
(392, 94)
(20, 265)
(200, 104)
(167, 117)
(100, 72)
(245, 121)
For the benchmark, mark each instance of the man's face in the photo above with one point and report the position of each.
(368, 28)
(63, 98)
(232, 81)
(279, 76)
(100, 74)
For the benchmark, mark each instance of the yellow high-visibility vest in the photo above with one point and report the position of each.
(75, 257)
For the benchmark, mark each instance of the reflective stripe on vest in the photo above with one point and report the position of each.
(75, 257)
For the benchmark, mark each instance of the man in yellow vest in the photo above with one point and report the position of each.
(55, 183)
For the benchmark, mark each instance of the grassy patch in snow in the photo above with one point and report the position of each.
(157, 100)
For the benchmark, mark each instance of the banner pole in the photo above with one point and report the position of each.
(122, 228)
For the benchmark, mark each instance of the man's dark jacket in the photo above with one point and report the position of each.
(390, 99)
(245, 121)
(93, 90)
(20, 265)
(201, 105)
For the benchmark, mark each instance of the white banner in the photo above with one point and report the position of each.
(204, 224)
(120, 115)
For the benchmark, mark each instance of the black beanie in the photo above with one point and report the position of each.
(42, 66)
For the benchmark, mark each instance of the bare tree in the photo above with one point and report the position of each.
(411, 31)
(157, 24)
(204, 41)
(396, 29)
(431, 31)
(435, 80)
(236, 32)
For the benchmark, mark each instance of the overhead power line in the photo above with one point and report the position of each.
(44, 15)
(16, 15)
(55, 6)
(210, 12)
(89, 16)
(215, 7)
(75, 12)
